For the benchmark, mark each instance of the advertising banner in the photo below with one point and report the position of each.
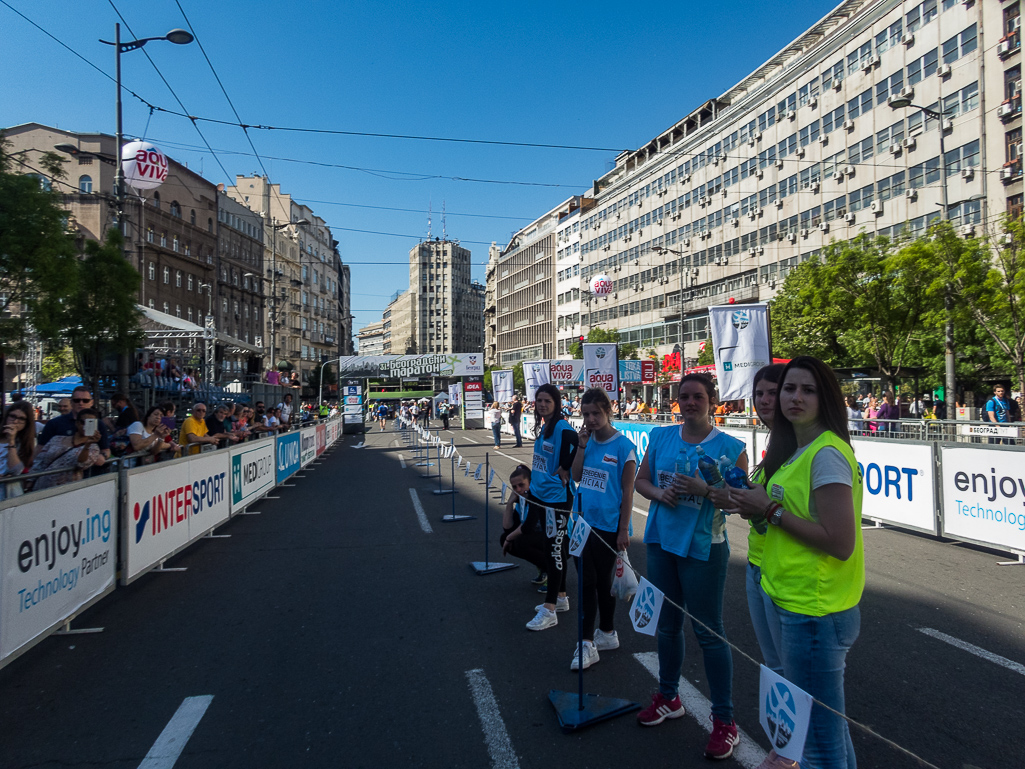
(412, 366)
(170, 504)
(321, 439)
(1000, 431)
(899, 482)
(643, 371)
(984, 496)
(307, 445)
(353, 404)
(784, 713)
(59, 552)
(566, 371)
(455, 394)
(288, 448)
(535, 374)
(601, 368)
(473, 398)
(502, 385)
(740, 339)
(252, 472)
(639, 433)
(747, 436)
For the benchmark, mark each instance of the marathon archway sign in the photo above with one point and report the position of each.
(397, 366)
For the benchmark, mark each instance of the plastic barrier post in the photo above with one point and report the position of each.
(429, 474)
(485, 566)
(452, 517)
(576, 711)
(439, 491)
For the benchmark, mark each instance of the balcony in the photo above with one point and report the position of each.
(1011, 172)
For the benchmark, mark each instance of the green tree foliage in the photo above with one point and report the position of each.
(59, 364)
(799, 330)
(627, 351)
(706, 357)
(314, 383)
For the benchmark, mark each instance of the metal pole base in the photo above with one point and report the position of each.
(875, 525)
(456, 518)
(483, 567)
(575, 713)
(1019, 562)
(67, 630)
(439, 492)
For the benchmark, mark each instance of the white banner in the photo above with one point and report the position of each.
(740, 339)
(455, 394)
(899, 482)
(984, 496)
(1001, 431)
(646, 607)
(477, 473)
(502, 385)
(170, 504)
(601, 368)
(252, 472)
(307, 445)
(565, 371)
(59, 552)
(535, 374)
(784, 712)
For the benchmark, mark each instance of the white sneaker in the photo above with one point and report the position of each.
(590, 656)
(561, 604)
(603, 640)
(543, 620)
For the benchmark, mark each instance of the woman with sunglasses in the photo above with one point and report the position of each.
(75, 453)
(19, 442)
(150, 434)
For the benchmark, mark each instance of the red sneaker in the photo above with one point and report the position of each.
(660, 709)
(724, 738)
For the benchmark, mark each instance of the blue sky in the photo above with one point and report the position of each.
(602, 74)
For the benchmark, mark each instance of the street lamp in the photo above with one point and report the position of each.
(321, 380)
(176, 36)
(949, 383)
(274, 283)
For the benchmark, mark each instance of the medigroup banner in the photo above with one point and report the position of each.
(252, 472)
(740, 340)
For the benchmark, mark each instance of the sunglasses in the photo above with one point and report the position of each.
(81, 400)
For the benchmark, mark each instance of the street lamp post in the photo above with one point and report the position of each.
(665, 250)
(321, 380)
(950, 381)
(209, 331)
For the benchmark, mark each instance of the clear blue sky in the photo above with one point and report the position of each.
(597, 74)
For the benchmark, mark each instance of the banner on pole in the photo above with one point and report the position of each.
(535, 374)
(455, 393)
(601, 368)
(476, 473)
(646, 607)
(784, 712)
(491, 477)
(502, 385)
(740, 339)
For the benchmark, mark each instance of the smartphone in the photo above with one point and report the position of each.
(89, 426)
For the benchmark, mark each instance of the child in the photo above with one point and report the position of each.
(518, 541)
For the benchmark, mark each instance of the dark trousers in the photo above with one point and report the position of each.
(599, 562)
(516, 432)
(532, 548)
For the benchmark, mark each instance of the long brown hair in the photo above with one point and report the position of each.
(26, 437)
(832, 413)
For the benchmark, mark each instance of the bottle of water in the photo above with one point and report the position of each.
(737, 478)
(682, 465)
(709, 470)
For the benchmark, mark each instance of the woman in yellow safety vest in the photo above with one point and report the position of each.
(813, 562)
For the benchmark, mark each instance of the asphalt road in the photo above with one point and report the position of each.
(333, 630)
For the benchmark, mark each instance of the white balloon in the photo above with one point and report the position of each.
(144, 165)
(601, 285)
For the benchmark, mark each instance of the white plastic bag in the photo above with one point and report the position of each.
(624, 580)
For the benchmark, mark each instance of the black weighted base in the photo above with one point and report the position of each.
(596, 708)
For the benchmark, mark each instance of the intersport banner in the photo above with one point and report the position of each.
(535, 374)
(601, 368)
(170, 504)
(502, 385)
(740, 340)
(321, 439)
(59, 553)
(899, 481)
(984, 496)
(252, 472)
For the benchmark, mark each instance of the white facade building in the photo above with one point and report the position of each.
(567, 273)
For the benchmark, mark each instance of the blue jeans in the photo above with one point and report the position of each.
(763, 619)
(813, 651)
(496, 430)
(698, 586)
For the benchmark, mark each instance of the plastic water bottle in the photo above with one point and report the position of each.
(737, 478)
(709, 470)
(682, 465)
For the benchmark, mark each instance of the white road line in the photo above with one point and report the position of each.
(471, 440)
(171, 742)
(1017, 667)
(495, 735)
(402, 461)
(748, 753)
(503, 454)
(641, 512)
(420, 514)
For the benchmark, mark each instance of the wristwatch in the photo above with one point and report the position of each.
(776, 517)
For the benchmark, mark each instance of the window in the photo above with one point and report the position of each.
(960, 45)
(156, 200)
(811, 175)
(832, 120)
(190, 314)
(178, 310)
(1012, 147)
(860, 152)
(923, 67)
(785, 106)
(167, 276)
(809, 133)
(965, 156)
(835, 209)
(149, 234)
(187, 249)
(174, 242)
(178, 279)
(889, 136)
(862, 198)
(857, 57)
(924, 173)
(808, 92)
(167, 308)
(163, 239)
(210, 225)
(189, 286)
(85, 184)
(832, 75)
(787, 146)
(860, 104)
(766, 120)
(890, 86)
(176, 209)
(891, 187)
(192, 221)
(152, 271)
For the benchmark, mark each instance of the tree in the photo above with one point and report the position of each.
(627, 351)
(59, 364)
(314, 383)
(796, 330)
(706, 357)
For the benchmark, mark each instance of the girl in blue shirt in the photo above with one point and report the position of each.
(551, 486)
(687, 555)
(604, 470)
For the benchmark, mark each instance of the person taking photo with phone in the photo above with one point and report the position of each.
(74, 453)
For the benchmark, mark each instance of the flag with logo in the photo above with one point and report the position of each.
(601, 368)
(784, 712)
(454, 393)
(551, 525)
(740, 341)
(646, 607)
(535, 374)
(502, 385)
(578, 539)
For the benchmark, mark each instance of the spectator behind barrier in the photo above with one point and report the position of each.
(219, 427)
(194, 430)
(18, 434)
(168, 408)
(73, 453)
(65, 424)
(150, 434)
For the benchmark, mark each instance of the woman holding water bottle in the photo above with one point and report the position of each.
(604, 470)
(688, 553)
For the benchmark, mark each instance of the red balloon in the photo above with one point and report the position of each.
(732, 300)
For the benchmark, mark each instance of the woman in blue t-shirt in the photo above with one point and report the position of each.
(687, 557)
(552, 487)
(604, 470)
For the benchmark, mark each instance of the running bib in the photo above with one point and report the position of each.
(594, 479)
(665, 480)
(538, 464)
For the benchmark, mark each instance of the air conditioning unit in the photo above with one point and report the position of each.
(813, 102)
(804, 232)
(686, 241)
(772, 284)
(751, 140)
(943, 70)
(848, 125)
(909, 143)
(837, 85)
(824, 139)
(723, 157)
(1013, 25)
(759, 173)
(751, 251)
(911, 194)
(947, 124)
(814, 187)
(779, 202)
(1007, 239)
(968, 230)
(1005, 110)
(824, 227)
(607, 247)
(838, 176)
(877, 207)
(849, 218)
(676, 217)
(895, 148)
(967, 174)
(694, 272)
(705, 235)
(640, 232)
(736, 221)
(779, 163)
(619, 215)
(908, 38)
(725, 193)
(848, 170)
(715, 160)
(759, 250)
(718, 260)
(792, 237)
(1006, 174)
(757, 136)
(799, 152)
(791, 114)
(685, 179)
(703, 201)
(1004, 48)
(659, 222)
(757, 212)
(870, 62)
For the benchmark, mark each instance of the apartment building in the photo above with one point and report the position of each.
(238, 301)
(813, 145)
(371, 339)
(445, 313)
(568, 291)
(490, 307)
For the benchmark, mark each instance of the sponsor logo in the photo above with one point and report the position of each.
(610, 459)
(741, 319)
(781, 713)
(174, 506)
(727, 366)
(644, 607)
(247, 472)
(42, 550)
(599, 353)
(777, 492)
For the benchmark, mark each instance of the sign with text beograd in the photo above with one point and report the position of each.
(170, 504)
(307, 445)
(57, 556)
(252, 472)
(899, 482)
(288, 455)
(984, 496)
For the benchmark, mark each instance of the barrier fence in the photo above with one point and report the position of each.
(64, 548)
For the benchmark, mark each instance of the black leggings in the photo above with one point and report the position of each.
(532, 548)
(598, 566)
(557, 555)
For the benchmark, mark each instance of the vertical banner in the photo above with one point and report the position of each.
(535, 374)
(502, 385)
(352, 402)
(601, 368)
(784, 713)
(455, 394)
(740, 339)
(473, 397)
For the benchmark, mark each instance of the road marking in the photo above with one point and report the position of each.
(471, 440)
(1017, 667)
(171, 742)
(402, 461)
(420, 514)
(495, 735)
(641, 512)
(748, 753)
(503, 454)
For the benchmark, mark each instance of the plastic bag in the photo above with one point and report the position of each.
(624, 580)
